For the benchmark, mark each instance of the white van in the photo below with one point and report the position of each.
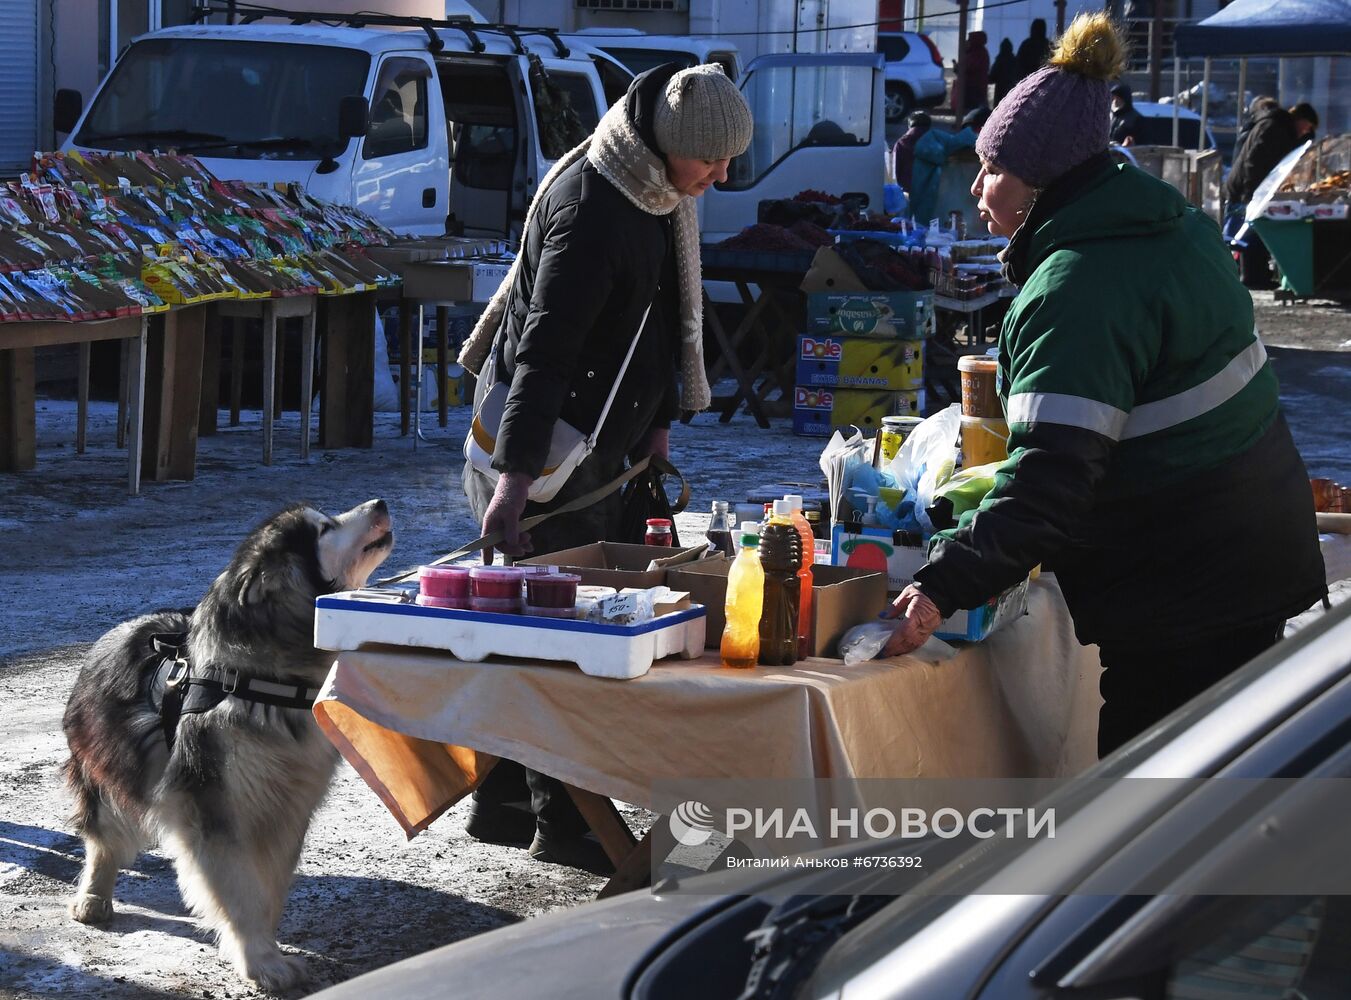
(640, 51)
(441, 129)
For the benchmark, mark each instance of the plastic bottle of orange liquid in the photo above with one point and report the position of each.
(804, 611)
(745, 598)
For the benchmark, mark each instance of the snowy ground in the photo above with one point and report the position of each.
(84, 556)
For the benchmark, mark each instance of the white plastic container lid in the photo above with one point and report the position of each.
(794, 500)
(750, 527)
(783, 508)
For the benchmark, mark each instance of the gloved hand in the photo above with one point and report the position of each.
(504, 515)
(657, 442)
(918, 618)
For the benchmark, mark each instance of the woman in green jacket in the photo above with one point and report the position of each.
(1149, 464)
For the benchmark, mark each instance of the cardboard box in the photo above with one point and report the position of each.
(875, 550)
(818, 412)
(615, 564)
(841, 599)
(860, 362)
(905, 315)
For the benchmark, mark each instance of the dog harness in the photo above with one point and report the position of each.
(179, 688)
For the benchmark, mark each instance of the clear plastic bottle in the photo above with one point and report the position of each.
(720, 531)
(745, 599)
(781, 558)
(804, 575)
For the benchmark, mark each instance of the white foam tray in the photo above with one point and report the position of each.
(353, 619)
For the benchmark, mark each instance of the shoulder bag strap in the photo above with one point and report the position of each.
(605, 411)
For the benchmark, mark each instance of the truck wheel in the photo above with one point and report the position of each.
(899, 101)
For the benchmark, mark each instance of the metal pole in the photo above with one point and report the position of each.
(959, 87)
(1205, 104)
(1155, 55)
(1242, 99)
(1059, 17)
(1177, 86)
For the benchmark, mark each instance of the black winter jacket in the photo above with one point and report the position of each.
(593, 262)
(1271, 137)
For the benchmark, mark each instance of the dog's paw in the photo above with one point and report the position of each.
(274, 971)
(90, 909)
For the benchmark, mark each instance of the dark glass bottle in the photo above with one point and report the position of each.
(781, 558)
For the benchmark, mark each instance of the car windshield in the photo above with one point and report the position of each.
(642, 60)
(225, 97)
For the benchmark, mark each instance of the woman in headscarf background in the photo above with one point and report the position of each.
(1150, 467)
(612, 230)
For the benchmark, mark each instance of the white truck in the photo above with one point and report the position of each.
(449, 126)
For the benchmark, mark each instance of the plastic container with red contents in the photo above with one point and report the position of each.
(454, 603)
(496, 605)
(496, 583)
(551, 590)
(444, 582)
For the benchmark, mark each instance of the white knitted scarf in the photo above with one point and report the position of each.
(620, 156)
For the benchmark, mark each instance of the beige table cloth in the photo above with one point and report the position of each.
(422, 728)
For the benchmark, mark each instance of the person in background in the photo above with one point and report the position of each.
(1004, 72)
(1034, 50)
(1150, 467)
(1125, 119)
(903, 153)
(1274, 133)
(611, 231)
(931, 154)
(977, 69)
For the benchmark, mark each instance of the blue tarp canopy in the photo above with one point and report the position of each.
(1270, 28)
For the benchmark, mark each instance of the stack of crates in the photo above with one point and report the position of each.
(861, 359)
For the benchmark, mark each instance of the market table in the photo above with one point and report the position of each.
(423, 728)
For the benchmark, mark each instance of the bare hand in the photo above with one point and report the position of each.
(918, 618)
(504, 515)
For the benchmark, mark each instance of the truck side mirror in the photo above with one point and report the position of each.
(66, 112)
(354, 116)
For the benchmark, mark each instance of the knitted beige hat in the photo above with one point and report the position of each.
(702, 116)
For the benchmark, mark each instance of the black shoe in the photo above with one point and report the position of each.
(500, 822)
(582, 852)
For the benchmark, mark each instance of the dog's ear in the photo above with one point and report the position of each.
(257, 585)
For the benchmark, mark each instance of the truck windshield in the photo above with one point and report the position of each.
(796, 106)
(642, 60)
(227, 98)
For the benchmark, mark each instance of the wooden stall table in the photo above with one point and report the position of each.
(423, 728)
(269, 311)
(772, 321)
(18, 417)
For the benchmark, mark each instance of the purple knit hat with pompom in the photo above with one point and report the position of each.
(1059, 116)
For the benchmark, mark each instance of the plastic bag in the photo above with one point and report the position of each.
(864, 642)
(964, 491)
(925, 462)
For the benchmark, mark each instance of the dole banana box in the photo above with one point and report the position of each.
(859, 362)
(818, 411)
(903, 315)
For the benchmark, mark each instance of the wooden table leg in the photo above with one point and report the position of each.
(82, 400)
(173, 394)
(306, 379)
(347, 401)
(209, 416)
(635, 871)
(406, 313)
(746, 390)
(18, 415)
(277, 407)
(442, 350)
(605, 822)
(732, 361)
(236, 369)
(136, 404)
(123, 384)
(269, 376)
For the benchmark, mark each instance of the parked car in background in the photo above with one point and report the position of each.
(1156, 127)
(914, 73)
(640, 51)
(967, 934)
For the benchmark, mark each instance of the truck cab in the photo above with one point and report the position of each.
(640, 51)
(433, 130)
(819, 123)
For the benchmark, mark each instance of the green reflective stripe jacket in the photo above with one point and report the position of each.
(1135, 389)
